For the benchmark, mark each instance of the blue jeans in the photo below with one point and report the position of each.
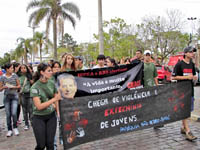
(26, 102)
(11, 104)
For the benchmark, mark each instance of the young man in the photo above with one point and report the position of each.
(138, 57)
(185, 70)
(101, 62)
(150, 71)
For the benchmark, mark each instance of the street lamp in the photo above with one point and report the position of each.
(191, 19)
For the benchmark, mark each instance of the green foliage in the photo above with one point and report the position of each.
(52, 10)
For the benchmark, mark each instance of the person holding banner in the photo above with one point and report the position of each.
(185, 70)
(45, 101)
(69, 63)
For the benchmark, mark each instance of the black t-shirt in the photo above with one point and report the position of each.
(184, 69)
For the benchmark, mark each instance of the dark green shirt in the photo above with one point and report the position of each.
(45, 91)
(27, 85)
(150, 72)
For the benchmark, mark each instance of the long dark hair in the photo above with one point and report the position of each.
(28, 73)
(112, 60)
(40, 67)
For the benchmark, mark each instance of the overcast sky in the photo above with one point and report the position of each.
(14, 19)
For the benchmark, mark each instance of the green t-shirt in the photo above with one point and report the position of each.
(150, 72)
(27, 85)
(45, 91)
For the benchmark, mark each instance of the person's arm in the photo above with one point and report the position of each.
(17, 85)
(41, 106)
(156, 80)
(2, 87)
(189, 77)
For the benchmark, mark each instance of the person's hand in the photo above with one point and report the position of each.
(190, 77)
(80, 132)
(57, 96)
(195, 78)
(5, 87)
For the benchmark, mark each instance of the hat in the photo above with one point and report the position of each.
(190, 49)
(77, 57)
(147, 52)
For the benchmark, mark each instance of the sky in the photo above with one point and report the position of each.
(14, 18)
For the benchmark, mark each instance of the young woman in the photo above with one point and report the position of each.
(45, 99)
(16, 67)
(10, 83)
(56, 67)
(25, 78)
(69, 63)
(110, 62)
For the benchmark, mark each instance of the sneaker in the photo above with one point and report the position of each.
(190, 136)
(9, 133)
(26, 128)
(183, 131)
(16, 132)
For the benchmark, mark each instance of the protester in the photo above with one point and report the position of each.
(9, 82)
(185, 71)
(127, 61)
(150, 74)
(45, 101)
(101, 61)
(16, 68)
(150, 71)
(138, 57)
(56, 67)
(110, 62)
(50, 62)
(79, 63)
(69, 63)
(25, 78)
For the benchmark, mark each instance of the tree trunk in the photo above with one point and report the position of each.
(25, 56)
(55, 38)
(40, 53)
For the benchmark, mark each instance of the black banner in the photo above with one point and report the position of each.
(96, 81)
(89, 118)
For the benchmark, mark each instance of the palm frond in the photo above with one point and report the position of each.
(70, 18)
(32, 4)
(71, 7)
(32, 16)
(42, 12)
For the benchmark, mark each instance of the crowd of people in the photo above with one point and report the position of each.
(38, 96)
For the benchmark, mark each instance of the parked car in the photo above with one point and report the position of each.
(164, 74)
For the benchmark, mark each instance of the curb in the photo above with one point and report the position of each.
(195, 117)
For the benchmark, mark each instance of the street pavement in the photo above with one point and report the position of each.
(166, 138)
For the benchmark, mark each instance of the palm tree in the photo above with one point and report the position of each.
(40, 40)
(24, 47)
(52, 10)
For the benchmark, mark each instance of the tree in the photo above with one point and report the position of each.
(162, 35)
(52, 10)
(24, 46)
(68, 42)
(118, 39)
(40, 41)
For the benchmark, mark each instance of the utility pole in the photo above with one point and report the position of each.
(192, 26)
(101, 39)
